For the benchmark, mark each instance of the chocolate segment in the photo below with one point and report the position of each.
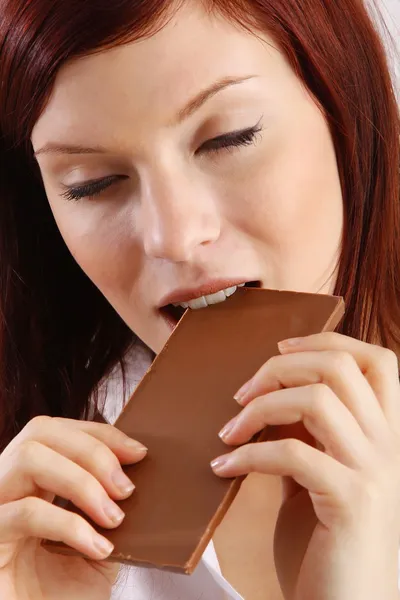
(177, 411)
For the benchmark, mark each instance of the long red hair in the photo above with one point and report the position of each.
(58, 335)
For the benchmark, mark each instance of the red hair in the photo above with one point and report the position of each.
(58, 335)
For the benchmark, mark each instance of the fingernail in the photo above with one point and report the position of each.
(290, 343)
(103, 546)
(218, 464)
(123, 483)
(227, 430)
(113, 512)
(135, 446)
(244, 390)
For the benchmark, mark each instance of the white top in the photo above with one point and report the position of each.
(206, 583)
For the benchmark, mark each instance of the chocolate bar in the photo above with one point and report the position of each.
(177, 411)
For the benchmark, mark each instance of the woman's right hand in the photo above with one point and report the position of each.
(79, 461)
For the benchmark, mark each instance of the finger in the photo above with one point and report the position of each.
(37, 468)
(311, 468)
(379, 365)
(92, 452)
(324, 416)
(34, 517)
(125, 448)
(95, 449)
(337, 370)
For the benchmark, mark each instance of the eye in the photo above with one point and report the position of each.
(90, 189)
(234, 139)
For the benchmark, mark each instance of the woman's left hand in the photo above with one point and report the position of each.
(347, 395)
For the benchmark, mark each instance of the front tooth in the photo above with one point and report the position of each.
(215, 298)
(205, 301)
(229, 291)
(198, 303)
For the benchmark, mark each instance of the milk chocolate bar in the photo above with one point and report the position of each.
(177, 411)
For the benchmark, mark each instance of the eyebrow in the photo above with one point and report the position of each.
(192, 106)
(69, 149)
(195, 103)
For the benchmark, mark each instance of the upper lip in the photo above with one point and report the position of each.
(209, 287)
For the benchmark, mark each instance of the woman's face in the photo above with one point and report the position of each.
(187, 163)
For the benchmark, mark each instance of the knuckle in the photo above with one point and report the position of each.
(248, 456)
(27, 452)
(271, 364)
(59, 420)
(83, 484)
(27, 509)
(291, 447)
(341, 361)
(109, 433)
(112, 434)
(387, 359)
(330, 337)
(367, 491)
(84, 492)
(102, 455)
(76, 524)
(377, 484)
(90, 491)
(37, 424)
(320, 395)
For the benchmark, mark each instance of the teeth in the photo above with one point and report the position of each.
(229, 291)
(205, 301)
(197, 303)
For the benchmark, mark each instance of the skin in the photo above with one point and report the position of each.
(271, 211)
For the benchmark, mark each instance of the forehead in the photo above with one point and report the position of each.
(154, 76)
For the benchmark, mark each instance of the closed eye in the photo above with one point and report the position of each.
(234, 139)
(90, 189)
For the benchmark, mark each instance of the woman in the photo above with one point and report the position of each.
(155, 148)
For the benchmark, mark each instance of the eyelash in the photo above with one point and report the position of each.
(244, 137)
(235, 139)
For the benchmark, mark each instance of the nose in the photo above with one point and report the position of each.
(178, 217)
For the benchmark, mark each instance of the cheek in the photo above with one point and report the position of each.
(105, 246)
(102, 244)
(294, 196)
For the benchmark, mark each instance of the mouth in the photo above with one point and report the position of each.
(172, 313)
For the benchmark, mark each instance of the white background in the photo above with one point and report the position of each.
(393, 7)
(391, 12)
